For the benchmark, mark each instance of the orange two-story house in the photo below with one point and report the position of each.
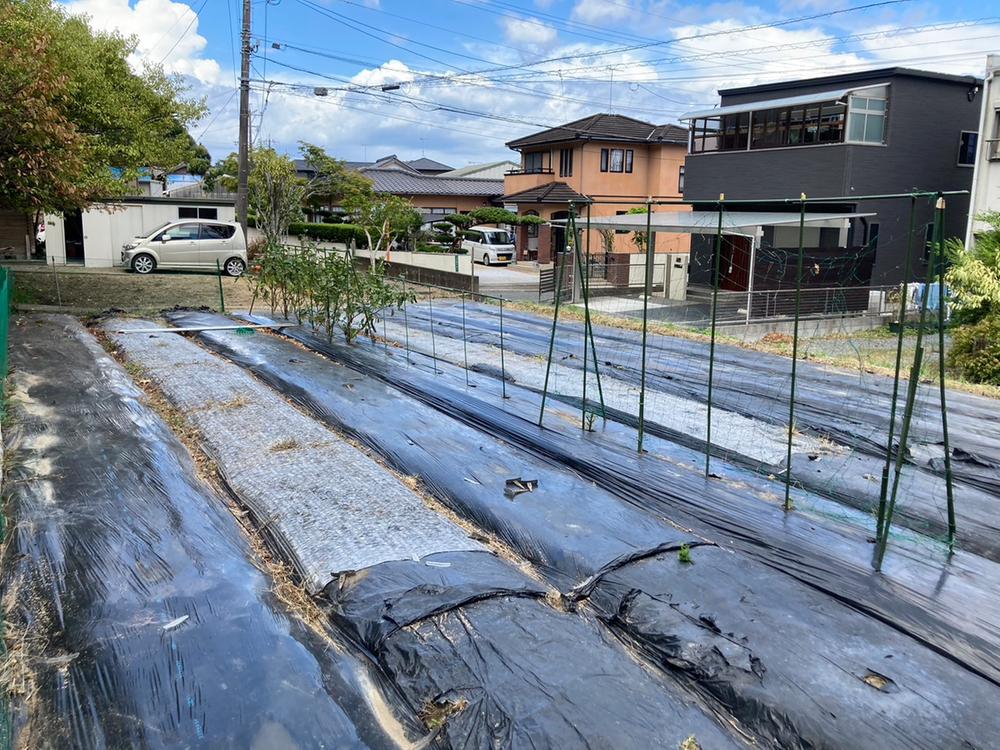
(591, 162)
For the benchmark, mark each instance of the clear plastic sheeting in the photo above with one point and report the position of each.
(135, 615)
(596, 548)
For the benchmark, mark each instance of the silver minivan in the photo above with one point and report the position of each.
(489, 245)
(190, 244)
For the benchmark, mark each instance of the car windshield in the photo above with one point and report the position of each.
(498, 238)
(151, 232)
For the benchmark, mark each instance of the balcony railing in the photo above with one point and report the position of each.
(531, 170)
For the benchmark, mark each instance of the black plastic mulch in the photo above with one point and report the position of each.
(579, 534)
(132, 598)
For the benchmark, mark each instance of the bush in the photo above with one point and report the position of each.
(330, 233)
(424, 248)
(975, 351)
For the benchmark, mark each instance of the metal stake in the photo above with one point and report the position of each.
(503, 367)
(465, 342)
(949, 489)
(795, 355)
(406, 321)
(222, 299)
(647, 290)
(711, 346)
(430, 312)
(552, 342)
(884, 488)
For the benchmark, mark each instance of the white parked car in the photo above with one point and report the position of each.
(189, 243)
(489, 245)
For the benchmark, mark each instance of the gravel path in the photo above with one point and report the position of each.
(333, 507)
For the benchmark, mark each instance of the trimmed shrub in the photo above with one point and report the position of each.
(975, 351)
(424, 248)
(330, 233)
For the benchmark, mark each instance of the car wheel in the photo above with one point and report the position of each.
(143, 263)
(486, 259)
(235, 267)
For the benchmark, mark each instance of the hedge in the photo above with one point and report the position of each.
(330, 233)
(975, 351)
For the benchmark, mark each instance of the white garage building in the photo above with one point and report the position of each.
(94, 237)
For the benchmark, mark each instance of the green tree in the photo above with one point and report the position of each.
(76, 123)
(383, 218)
(334, 183)
(974, 276)
(275, 193)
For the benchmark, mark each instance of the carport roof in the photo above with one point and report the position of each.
(550, 192)
(707, 222)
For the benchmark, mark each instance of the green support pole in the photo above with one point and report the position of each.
(222, 298)
(503, 367)
(645, 322)
(795, 355)
(588, 328)
(465, 342)
(406, 321)
(885, 523)
(711, 346)
(949, 489)
(552, 342)
(583, 273)
(430, 313)
(884, 488)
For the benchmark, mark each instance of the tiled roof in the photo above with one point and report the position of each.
(471, 169)
(550, 192)
(404, 183)
(424, 164)
(601, 127)
(669, 134)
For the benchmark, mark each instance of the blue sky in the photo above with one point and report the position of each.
(472, 74)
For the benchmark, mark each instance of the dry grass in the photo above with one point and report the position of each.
(88, 289)
(435, 715)
(284, 445)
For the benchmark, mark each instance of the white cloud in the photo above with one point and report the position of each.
(528, 33)
(166, 31)
(602, 11)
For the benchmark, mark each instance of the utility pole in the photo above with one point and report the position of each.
(244, 145)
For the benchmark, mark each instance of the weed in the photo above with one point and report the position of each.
(284, 445)
(435, 714)
(237, 402)
(589, 419)
(690, 744)
(684, 556)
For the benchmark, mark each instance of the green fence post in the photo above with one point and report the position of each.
(222, 298)
(949, 489)
(503, 366)
(711, 346)
(583, 273)
(430, 314)
(885, 523)
(795, 355)
(465, 342)
(406, 320)
(588, 325)
(884, 488)
(552, 341)
(647, 289)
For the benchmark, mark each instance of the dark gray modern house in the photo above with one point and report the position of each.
(874, 132)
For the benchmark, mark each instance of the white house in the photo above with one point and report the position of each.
(94, 237)
(986, 173)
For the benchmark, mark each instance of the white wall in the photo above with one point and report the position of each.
(986, 175)
(438, 261)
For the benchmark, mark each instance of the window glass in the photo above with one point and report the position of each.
(604, 160)
(874, 126)
(183, 232)
(565, 162)
(187, 212)
(617, 163)
(680, 179)
(967, 148)
(532, 228)
(498, 238)
(628, 160)
(208, 213)
(216, 231)
(866, 118)
(533, 161)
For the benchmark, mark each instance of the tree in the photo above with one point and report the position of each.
(333, 183)
(76, 123)
(383, 218)
(974, 275)
(275, 193)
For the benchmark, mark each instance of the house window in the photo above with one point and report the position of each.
(533, 161)
(866, 116)
(616, 160)
(796, 126)
(967, 148)
(829, 238)
(565, 162)
(680, 179)
(441, 211)
(993, 144)
(197, 212)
